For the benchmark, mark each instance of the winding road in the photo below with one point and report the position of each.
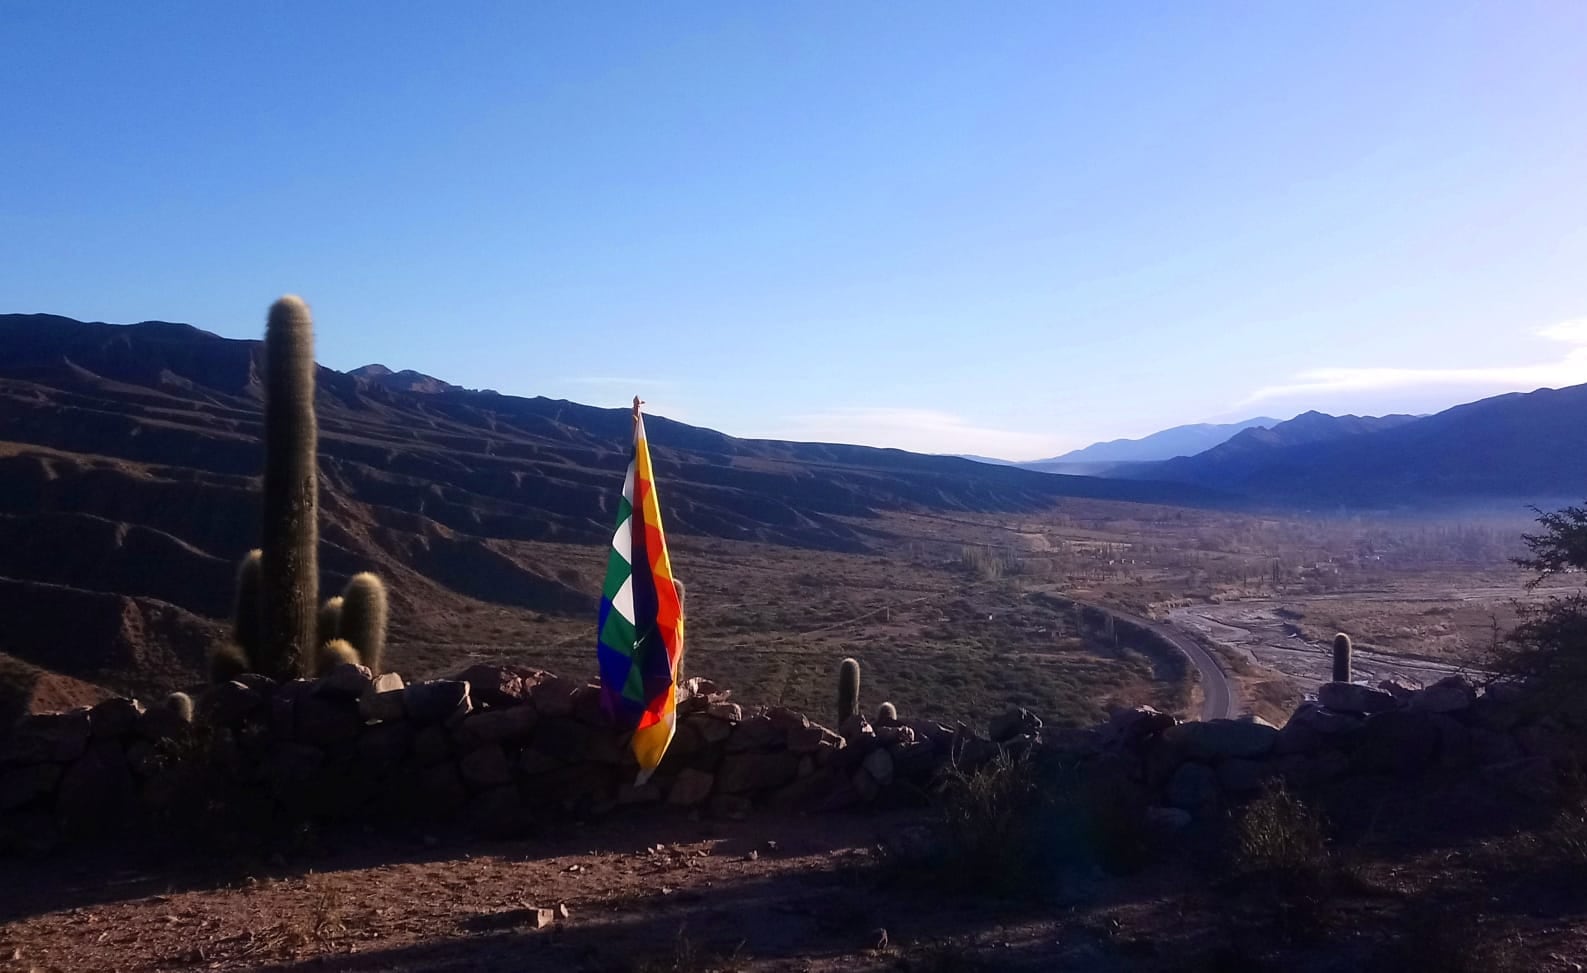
(1219, 697)
(1219, 700)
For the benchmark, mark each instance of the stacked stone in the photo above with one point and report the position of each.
(499, 747)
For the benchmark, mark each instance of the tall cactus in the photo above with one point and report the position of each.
(1342, 649)
(330, 622)
(848, 690)
(290, 567)
(364, 618)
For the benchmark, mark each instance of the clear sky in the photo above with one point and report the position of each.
(999, 228)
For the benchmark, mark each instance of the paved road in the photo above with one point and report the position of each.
(1218, 697)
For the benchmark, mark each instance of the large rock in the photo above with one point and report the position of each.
(894, 736)
(1324, 721)
(755, 733)
(485, 767)
(589, 709)
(512, 724)
(96, 789)
(60, 737)
(385, 745)
(1238, 776)
(492, 685)
(725, 711)
(741, 772)
(1216, 739)
(879, 764)
(1490, 747)
(383, 702)
(432, 745)
(1349, 697)
(436, 792)
(437, 701)
(690, 788)
(810, 737)
(553, 696)
(346, 680)
(570, 740)
(115, 717)
(230, 703)
(1193, 788)
(1167, 821)
(1016, 721)
(1502, 707)
(915, 762)
(1402, 742)
(1132, 727)
(786, 719)
(292, 764)
(1448, 695)
(330, 722)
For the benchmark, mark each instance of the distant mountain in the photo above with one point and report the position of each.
(1233, 461)
(406, 380)
(1178, 441)
(1520, 447)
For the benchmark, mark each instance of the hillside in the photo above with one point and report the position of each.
(129, 461)
(1515, 448)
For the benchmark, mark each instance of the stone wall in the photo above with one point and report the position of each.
(498, 748)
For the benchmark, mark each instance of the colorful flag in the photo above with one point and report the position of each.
(641, 625)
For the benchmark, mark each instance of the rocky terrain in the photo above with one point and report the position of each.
(726, 860)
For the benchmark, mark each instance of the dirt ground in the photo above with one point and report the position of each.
(665, 892)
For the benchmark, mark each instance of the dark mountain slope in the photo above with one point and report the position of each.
(129, 461)
(1518, 447)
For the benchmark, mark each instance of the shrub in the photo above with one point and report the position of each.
(1278, 835)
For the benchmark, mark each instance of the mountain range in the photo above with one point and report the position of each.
(129, 488)
(130, 460)
(1098, 458)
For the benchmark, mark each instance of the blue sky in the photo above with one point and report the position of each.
(1008, 229)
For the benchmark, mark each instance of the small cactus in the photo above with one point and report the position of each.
(290, 566)
(334, 653)
(887, 713)
(180, 705)
(227, 661)
(245, 617)
(330, 623)
(1342, 650)
(363, 621)
(848, 690)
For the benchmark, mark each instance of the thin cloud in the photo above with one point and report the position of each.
(1571, 369)
(917, 430)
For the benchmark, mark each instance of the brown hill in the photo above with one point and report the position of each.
(129, 461)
